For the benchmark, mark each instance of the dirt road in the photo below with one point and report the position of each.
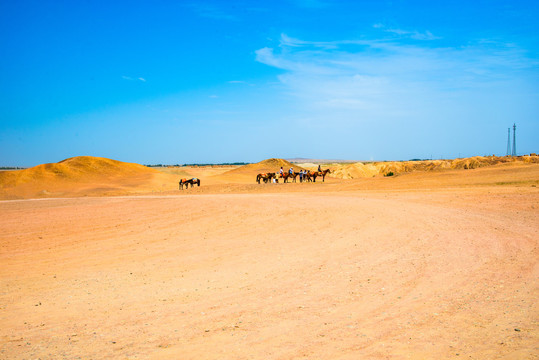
(450, 273)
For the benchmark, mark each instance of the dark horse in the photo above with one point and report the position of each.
(191, 181)
(295, 175)
(322, 173)
(309, 176)
(265, 177)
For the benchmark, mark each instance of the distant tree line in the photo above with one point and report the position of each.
(11, 168)
(223, 164)
(198, 164)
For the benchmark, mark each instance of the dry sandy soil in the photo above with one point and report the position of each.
(425, 265)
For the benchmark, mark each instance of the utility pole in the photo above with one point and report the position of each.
(514, 140)
(508, 142)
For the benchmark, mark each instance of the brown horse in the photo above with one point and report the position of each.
(287, 176)
(265, 177)
(314, 174)
(323, 173)
(310, 176)
(191, 181)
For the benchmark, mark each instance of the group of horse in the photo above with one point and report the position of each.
(268, 177)
(308, 176)
(191, 181)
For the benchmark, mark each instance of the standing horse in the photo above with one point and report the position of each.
(191, 181)
(286, 176)
(323, 173)
(265, 177)
(314, 174)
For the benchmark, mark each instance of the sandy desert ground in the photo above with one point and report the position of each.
(424, 265)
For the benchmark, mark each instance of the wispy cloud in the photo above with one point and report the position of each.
(412, 34)
(129, 78)
(390, 79)
(485, 60)
(287, 41)
(211, 11)
(241, 82)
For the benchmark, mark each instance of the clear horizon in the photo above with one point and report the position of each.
(215, 82)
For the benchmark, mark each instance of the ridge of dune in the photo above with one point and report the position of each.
(247, 173)
(268, 165)
(91, 164)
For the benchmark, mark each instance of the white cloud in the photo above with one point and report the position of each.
(129, 78)
(427, 35)
(390, 80)
(210, 11)
(287, 41)
(412, 34)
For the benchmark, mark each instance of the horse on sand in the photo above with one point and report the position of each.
(322, 173)
(191, 181)
(265, 177)
(286, 176)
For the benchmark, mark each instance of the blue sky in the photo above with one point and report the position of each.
(224, 81)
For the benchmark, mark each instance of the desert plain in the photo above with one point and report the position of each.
(108, 260)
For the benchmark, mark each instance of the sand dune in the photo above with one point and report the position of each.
(93, 176)
(360, 170)
(269, 165)
(83, 175)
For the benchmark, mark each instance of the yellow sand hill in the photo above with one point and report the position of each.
(361, 170)
(76, 176)
(247, 173)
